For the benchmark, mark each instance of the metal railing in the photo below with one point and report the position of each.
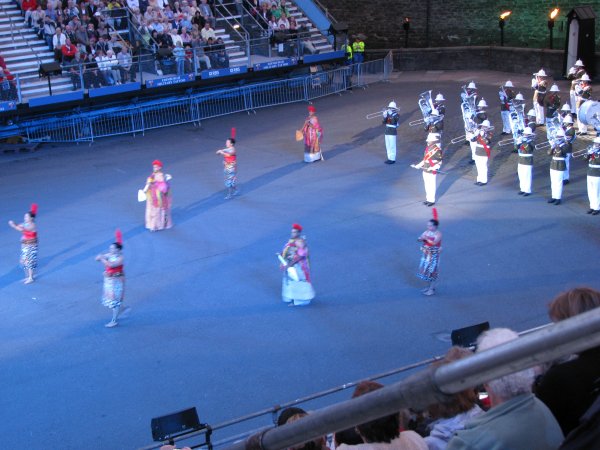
(136, 118)
(534, 347)
(20, 31)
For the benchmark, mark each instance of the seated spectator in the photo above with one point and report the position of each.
(72, 9)
(113, 64)
(105, 68)
(68, 51)
(207, 32)
(28, 7)
(186, 38)
(451, 416)
(91, 32)
(92, 77)
(8, 89)
(386, 432)
(197, 19)
(69, 33)
(58, 40)
(81, 37)
(517, 420)
(264, 15)
(125, 64)
(50, 12)
(207, 13)
(49, 32)
(570, 388)
(283, 20)
(179, 54)
(115, 43)
(175, 38)
(220, 59)
(37, 21)
(198, 49)
(73, 68)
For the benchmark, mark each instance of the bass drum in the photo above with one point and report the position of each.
(589, 114)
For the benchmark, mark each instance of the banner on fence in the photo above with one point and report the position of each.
(287, 62)
(169, 81)
(216, 73)
(8, 106)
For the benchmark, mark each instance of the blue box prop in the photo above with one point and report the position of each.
(59, 98)
(169, 81)
(287, 62)
(116, 89)
(323, 56)
(8, 106)
(216, 73)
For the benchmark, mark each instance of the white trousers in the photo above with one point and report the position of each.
(473, 147)
(390, 146)
(580, 126)
(593, 188)
(430, 186)
(539, 113)
(568, 164)
(556, 183)
(506, 121)
(525, 173)
(573, 102)
(481, 163)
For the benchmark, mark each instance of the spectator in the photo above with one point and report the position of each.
(69, 33)
(220, 57)
(37, 21)
(385, 432)
(28, 6)
(104, 66)
(208, 32)
(207, 13)
(133, 5)
(81, 37)
(74, 68)
(283, 20)
(50, 12)
(49, 31)
(179, 54)
(102, 45)
(68, 51)
(125, 64)
(516, 420)
(186, 38)
(58, 40)
(175, 38)
(198, 49)
(91, 32)
(452, 415)
(570, 388)
(113, 65)
(264, 15)
(198, 19)
(91, 74)
(8, 90)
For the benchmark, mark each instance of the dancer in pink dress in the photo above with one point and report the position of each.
(158, 199)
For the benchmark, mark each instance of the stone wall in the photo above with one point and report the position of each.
(457, 22)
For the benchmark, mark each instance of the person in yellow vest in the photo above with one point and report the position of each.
(358, 50)
(349, 53)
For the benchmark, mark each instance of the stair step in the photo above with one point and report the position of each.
(27, 64)
(19, 37)
(40, 48)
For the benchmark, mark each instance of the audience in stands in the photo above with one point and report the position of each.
(517, 420)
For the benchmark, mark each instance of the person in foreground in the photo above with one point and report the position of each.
(29, 243)
(297, 288)
(430, 258)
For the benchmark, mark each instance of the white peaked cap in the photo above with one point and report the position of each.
(482, 103)
(439, 98)
(565, 107)
(508, 84)
(554, 88)
(541, 73)
(585, 77)
(579, 63)
(472, 85)
(392, 104)
(519, 97)
(528, 131)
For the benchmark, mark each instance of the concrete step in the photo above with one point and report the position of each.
(25, 57)
(39, 48)
(15, 67)
(4, 39)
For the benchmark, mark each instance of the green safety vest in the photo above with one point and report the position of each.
(348, 52)
(358, 47)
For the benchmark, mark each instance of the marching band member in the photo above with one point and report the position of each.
(584, 93)
(391, 120)
(431, 247)
(569, 139)
(481, 113)
(564, 112)
(519, 100)
(558, 152)
(525, 165)
(575, 73)
(431, 163)
(439, 103)
(552, 101)
(593, 177)
(471, 91)
(539, 85)
(507, 96)
(481, 139)
(29, 242)
(530, 120)
(439, 109)
(313, 133)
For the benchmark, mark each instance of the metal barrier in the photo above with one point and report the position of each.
(136, 118)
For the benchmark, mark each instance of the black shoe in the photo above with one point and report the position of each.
(557, 202)
(482, 184)
(504, 134)
(552, 200)
(581, 133)
(590, 211)
(566, 182)
(526, 194)
(472, 162)
(430, 203)
(426, 203)
(520, 192)
(467, 143)
(596, 212)
(389, 161)
(477, 183)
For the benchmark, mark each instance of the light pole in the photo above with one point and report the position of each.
(406, 26)
(551, 18)
(501, 24)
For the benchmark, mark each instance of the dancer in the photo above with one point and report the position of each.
(297, 289)
(431, 248)
(29, 243)
(230, 165)
(313, 133)
(593, 177)
(525, 164)
(158, 199)
(114, 278)
(431, 163)
(391, 120)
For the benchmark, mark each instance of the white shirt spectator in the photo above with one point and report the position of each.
(58, 41)
(133, 4)
(208, 33)
(176, 38)
(284, 22)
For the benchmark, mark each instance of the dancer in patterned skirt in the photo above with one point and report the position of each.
(29, 243)
(158, 199)
(313, 133)
(430, 260)
(297, 288)
(114, 278)
(230, 166)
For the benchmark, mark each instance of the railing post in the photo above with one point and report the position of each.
(19, 94)
(82, 86)
(248, 48)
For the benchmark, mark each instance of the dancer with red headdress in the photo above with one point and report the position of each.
(431, 246)
(229, 165)
(297, 288)
(313, 133)
(29, 243)
(114, 278)
(158, 199)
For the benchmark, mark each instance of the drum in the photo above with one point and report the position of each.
(589, 114)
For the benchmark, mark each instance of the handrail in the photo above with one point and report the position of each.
(325, 11)
(19, 30)
(136, 27)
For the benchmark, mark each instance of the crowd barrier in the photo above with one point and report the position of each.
(193, 108)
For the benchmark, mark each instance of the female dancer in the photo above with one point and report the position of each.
(114, 278)
(229, 165)
(297, 288)
(158, 199)
(29, 243)
(430, 260)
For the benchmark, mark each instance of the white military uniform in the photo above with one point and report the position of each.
(431, 163)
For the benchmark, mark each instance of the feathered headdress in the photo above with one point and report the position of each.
(118, 237)
(233, 132)
(34, 209)
(435, 214)
(157, 162)
(297, 226)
